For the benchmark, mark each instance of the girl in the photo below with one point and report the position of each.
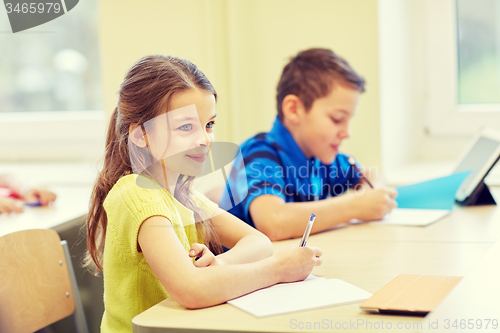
(141, 229)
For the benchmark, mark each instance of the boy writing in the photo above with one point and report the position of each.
(296, 169)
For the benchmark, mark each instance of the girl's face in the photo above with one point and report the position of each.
(182, 137)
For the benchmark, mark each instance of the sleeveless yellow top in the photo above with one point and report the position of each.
(130, 286)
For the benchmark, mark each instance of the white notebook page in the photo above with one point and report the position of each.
(416, 217)
(311, 293)
(410, 217)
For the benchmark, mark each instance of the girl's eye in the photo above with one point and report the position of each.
(211, 124)
(186, 127)
(336, 121)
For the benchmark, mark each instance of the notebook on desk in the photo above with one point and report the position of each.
(411, 294)
(409, 217)
(312, 293)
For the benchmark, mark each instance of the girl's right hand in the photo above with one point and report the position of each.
(295, 263)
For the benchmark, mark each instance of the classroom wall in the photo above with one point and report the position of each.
(398, 83)
(404, 94)
(242, 47)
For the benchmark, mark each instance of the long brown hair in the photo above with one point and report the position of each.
(145, 92)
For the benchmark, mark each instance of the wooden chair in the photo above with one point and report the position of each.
(37, 282)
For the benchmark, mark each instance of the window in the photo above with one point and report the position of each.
(462, 43)
(50, 88)
(478, 24)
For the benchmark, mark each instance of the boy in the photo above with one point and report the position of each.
(295, 169)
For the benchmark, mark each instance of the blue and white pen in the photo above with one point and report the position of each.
(309, 226)
(33, 204)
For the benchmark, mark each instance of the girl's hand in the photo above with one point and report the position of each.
(44, 197)
(206, 257)
(9, 205)
(295, 263)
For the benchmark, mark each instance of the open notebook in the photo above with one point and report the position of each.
(312, 293)
(410, 217)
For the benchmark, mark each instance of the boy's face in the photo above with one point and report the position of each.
(326, 125)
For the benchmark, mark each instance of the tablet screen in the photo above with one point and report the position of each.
(476, 159)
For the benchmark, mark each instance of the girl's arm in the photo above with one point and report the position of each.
(195, 287)
(246, 244)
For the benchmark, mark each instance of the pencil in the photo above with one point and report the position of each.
(352, 162)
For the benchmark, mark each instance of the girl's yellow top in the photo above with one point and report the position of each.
(130, 286)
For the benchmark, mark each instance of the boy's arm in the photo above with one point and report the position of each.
(246, 244)
(281, 220)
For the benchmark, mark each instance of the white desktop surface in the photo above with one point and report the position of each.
(472, 305)
(70, 207)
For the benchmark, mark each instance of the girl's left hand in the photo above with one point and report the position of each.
(206, 257)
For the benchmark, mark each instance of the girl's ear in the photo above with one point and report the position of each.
(292, 108)
(135, 134)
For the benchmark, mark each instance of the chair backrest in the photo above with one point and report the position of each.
(35, 288)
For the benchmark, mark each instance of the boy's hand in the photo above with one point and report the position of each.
(9, 205)
(44, 197)
(295, 263)
(375, 204)
(206, 257)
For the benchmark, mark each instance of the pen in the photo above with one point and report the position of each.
(33, 204)
(352, 162)
(309, 226)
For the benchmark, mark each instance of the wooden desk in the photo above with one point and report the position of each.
(366, 264)
(473, 305)
(368, 256)
(464, 224)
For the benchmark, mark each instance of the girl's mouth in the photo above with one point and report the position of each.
(198, 157)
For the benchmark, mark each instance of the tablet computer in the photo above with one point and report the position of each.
(480, 155)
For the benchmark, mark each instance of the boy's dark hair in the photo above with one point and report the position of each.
(312, 73)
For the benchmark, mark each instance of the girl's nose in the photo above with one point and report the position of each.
(203, 139)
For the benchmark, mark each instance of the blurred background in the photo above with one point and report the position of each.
(432, 69)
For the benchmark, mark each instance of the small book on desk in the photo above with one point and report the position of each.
(411, 294)
(312, 293)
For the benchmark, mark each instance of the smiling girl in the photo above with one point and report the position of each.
(147, 224)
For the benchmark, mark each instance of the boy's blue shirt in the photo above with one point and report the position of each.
(275, 164)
